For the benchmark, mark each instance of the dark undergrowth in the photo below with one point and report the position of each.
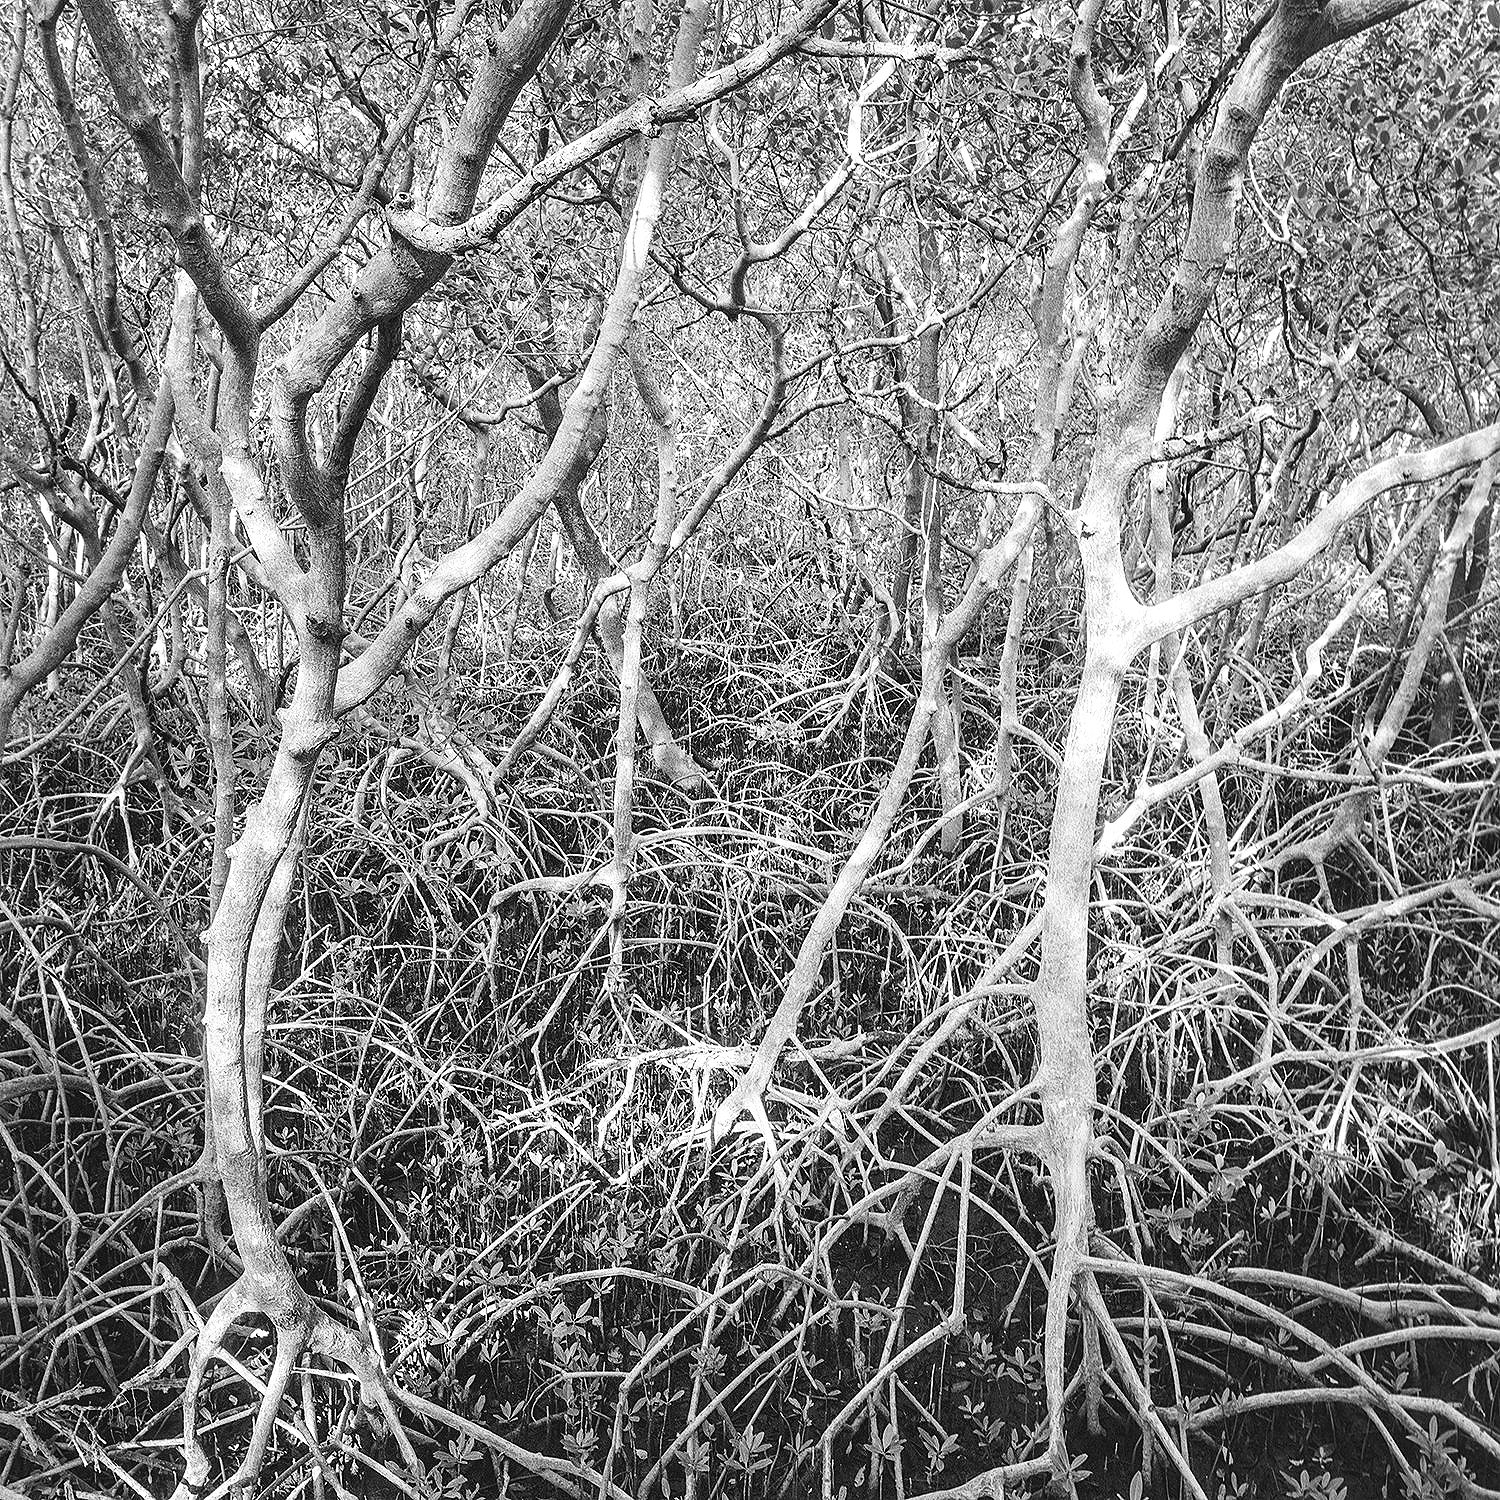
(497, 1160)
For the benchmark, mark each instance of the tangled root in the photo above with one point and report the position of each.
(304, 1328)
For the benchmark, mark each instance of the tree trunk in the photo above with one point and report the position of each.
(1468, 583)
(1065, 1077)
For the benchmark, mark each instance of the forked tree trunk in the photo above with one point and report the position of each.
(667, 754)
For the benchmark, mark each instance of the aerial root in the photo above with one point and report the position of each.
(1065, 1142)
(1098, 1321)
(334, 1341)
(1099, 1332)
(1093, 1374)
(230, 1308)
(570, 1476)
(306, 1328)
(290, 1344)
(1070, 1145)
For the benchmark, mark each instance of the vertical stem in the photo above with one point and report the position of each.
(21, 260)
(216, 665)
(1467, 586)
(1170, 648)
(1010, 662)
(663, 413)
(1065, 1059)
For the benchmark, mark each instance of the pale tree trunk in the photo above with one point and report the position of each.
(1065, 1077)
(994, 562)
(1117, 628)
(918, 403)
(1179, 681)
(247, 927)
(1050, 318)
(1468, 585)
(662, 410)
(926, 488)
(243, 942)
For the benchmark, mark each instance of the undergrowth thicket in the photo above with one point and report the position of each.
(494, 1158)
